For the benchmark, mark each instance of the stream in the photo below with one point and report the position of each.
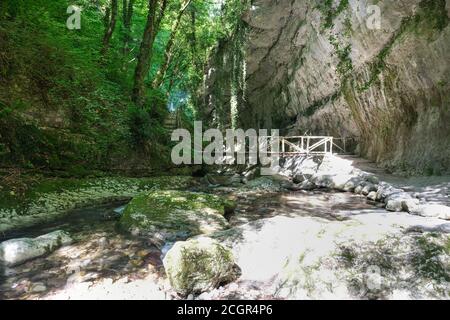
(100, 252)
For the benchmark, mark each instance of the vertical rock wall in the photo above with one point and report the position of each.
(319, 67)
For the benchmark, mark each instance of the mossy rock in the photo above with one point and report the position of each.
(199, 265)
(173, 212)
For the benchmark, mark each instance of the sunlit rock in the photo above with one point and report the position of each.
(351, 184)
(432, 210)
(368, 188)
(16, 251)
(400, 202)
(199, 265)
(384, 190)
(372, 196)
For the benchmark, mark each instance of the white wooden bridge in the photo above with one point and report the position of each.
(311, 145)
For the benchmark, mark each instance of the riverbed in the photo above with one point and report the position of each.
(274, 224)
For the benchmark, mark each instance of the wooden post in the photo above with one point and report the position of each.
(307, 145)
(331, 147)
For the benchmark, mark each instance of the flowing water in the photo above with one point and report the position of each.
(99, 250)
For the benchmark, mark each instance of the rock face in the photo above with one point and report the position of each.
(16, 251)
(172, 212)
(199, 265)
(324, 67)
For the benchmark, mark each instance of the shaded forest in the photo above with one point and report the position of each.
(97, 97)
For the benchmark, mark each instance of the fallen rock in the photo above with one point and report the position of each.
(339, 181)
(372, 179)
(352, 183)
(368, 188)
(199, 265)
(16, 251)
(359, 188)
(170, 212)
(322, 180)
(400, 202)
(432, 210)
(385, 190)
(372, 196)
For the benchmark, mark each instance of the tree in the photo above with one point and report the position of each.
(170, 46)
(110, 24)
(146, 49)
(127, 16)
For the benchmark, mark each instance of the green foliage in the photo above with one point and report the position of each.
(143, 127)
(427, 263)
(329, 12)
(345, 64)
(64, 106)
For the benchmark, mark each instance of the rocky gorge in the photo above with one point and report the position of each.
(94, 205)
(331, 68)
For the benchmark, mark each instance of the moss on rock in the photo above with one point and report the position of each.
(199, 265)
(176, 211)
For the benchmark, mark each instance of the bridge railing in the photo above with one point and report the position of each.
(306, 145)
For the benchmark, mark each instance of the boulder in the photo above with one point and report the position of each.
(352, 183)
(368, 188)
(400, 202)
(372, 179)
(168, 213)
(199, 265)
(322, 180)
(16, 251)
(359, 188)
(385, 190)
(432, 210)
(339, 181)
(372, 196)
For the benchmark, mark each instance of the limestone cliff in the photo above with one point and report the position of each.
(321, 67)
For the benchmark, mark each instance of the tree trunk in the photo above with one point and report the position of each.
(146, 51)
(168, 54)
(127, 19)
(193, 40)
(110, 26)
